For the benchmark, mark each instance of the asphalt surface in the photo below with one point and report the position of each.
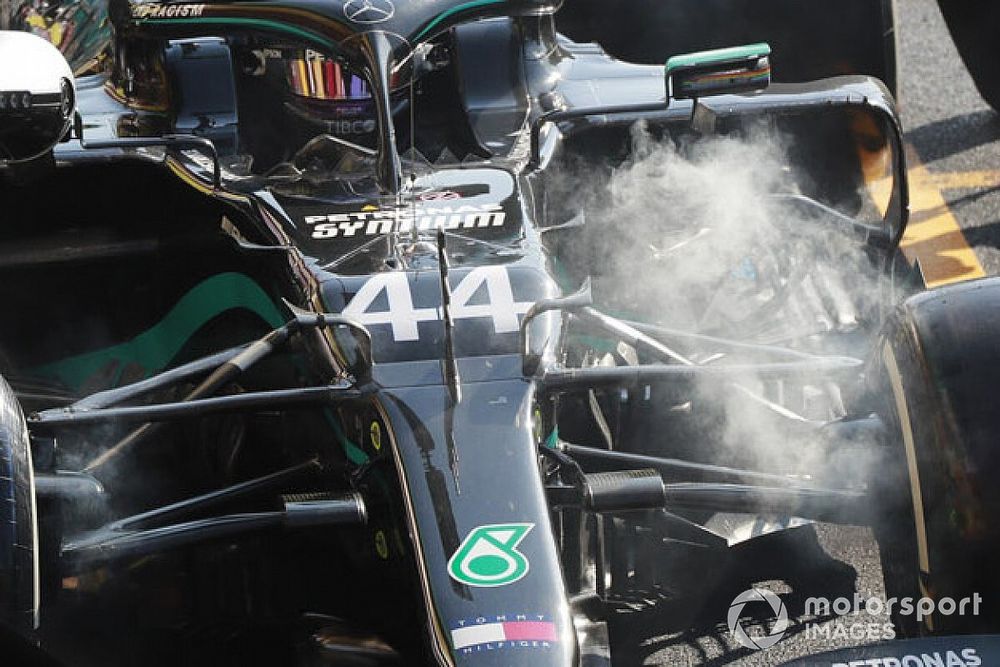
(951, 128)
(954, 150)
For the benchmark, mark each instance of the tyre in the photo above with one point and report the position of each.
(810, 39)
(975, 27)
(19, 589)
(937, 370)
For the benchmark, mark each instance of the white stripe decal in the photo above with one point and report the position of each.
(477, 634)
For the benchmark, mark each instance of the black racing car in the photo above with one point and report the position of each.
(399, 332)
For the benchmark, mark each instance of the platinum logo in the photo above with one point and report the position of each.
(777, 630)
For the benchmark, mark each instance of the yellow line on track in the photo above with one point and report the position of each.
(967, 180)
(933, 236)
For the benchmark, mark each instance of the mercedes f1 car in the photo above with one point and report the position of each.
(413, 332)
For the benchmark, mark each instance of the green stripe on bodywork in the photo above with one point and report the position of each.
(354, 454)
(605, 345)
(702, 58)
(264, 24)
(156, 347)
(455, 10)
(562, 276)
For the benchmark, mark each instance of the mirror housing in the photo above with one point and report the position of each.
(862, 171)
(37, 97)
(842, 139)
(718, 72)
(842, 149)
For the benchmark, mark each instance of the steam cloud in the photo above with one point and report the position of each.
(692, 238)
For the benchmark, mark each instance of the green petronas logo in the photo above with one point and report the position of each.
(488, 556)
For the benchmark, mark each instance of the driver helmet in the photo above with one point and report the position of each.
(325, 93)
(288, 96)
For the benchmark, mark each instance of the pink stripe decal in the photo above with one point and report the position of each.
(530, 631)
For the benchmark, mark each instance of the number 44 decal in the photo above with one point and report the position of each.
(404, 317)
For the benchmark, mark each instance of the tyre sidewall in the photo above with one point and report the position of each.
(19, 585)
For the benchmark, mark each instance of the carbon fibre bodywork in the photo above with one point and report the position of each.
(416, 315)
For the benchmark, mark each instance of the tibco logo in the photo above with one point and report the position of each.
(351, 126)
(777, 607)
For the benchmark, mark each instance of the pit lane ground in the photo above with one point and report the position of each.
(953, 155)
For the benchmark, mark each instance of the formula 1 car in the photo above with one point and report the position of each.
(396, 332)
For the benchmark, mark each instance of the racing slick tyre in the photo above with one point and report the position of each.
(809, 39)
(19, 589)
(936, 373)
(975, 27)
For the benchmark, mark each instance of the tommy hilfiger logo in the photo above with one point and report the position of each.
(503, 631)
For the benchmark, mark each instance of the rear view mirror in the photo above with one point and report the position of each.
(718, 72)
(848, 165)
(37, 97)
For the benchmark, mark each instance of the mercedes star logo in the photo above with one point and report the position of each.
(369, 11)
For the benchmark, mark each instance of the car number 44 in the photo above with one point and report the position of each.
(404, 317)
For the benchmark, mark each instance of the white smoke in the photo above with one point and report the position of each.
(693, 238)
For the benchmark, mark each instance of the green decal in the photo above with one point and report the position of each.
(455, 10)
(155, 348)
(355, 454)
(718, 56)
(489, 557)
(263, 24)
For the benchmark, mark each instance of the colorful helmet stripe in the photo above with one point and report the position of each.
(316, 76)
